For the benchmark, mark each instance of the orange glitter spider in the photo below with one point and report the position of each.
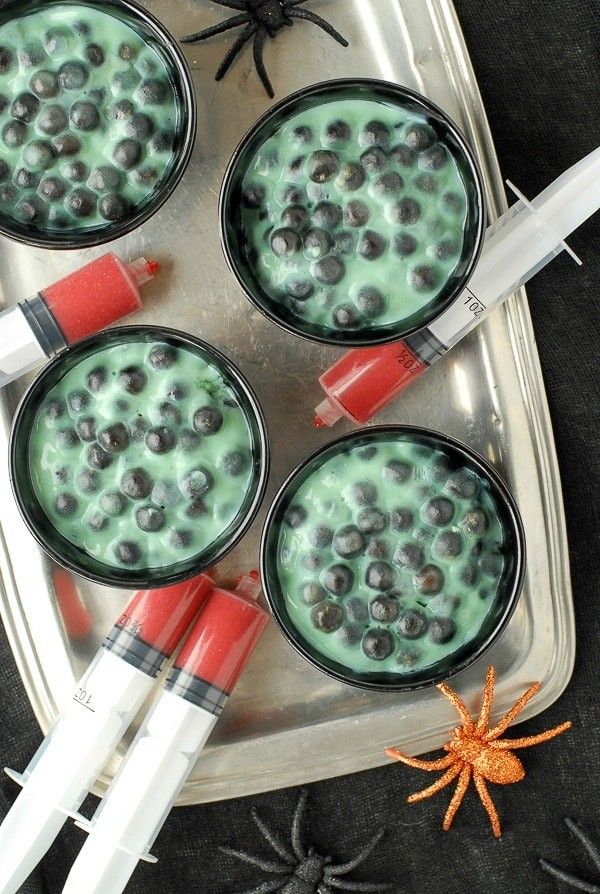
(478, 752)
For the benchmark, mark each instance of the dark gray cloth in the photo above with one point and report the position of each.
(537, 65)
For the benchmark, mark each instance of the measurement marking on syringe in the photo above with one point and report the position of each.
(477, 307)
(83, 705)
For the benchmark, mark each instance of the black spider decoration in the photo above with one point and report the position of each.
(566, 878)
(262, 19)
(303, 871)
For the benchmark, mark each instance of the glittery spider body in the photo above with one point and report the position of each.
(301, 870)
(261, 19)
(577, 884)
(478, 753)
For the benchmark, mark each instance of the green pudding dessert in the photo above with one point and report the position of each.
(356, 214)
(91, 117)
(388, 557)
(145, 453)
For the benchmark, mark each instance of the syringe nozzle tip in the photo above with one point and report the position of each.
(318, 422)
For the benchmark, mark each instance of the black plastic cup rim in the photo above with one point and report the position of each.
(470, 653)
(228, 207)
(108, 232)
(65, 553)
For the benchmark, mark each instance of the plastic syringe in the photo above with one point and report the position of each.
(167, 746)
(517, 246)
(104, 703)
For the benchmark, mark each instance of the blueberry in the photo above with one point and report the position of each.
(72, 76)
(397, 471)
(97, 378)
(14, 134)
(133, 379)
(439, 511)
(196, 483)
(367, 453)
(236, 462)
(78, 400)
(31, 209)
(404, 244)
(121, 110)
(388, 184)
(491, 564)
(453, 203)
(406, 211)
(4, 169)
(412, 624)
(127, 552)
(67, 438)
(302, 135)
(88, 481)
(127, 153)
(166, 493)
(423, 278)
(419, 137)
(371, 245)
(348, 542)
(409, 555)
(317, 243)
(94, 54)
(469, 574)
(81, 202)
(462, 484)
(329, 270)
(295, 217)
(84, 115)
(443, 605)
(377, 644)
(97, 96)
(8, 193)
(435, 158)
(474, 522)
(196, 509)
(404, 156)
(104, 178)
(313, 562)
(66, 505)
(344, 242)
(136, 483)
(31, 55)
(162, 357)
(338, 579)
(446, 249)
(374, 160)
(114, 438)
(139, 126)
(371, 521)
(97, 521)
(408, 658)
(295, 516)
(38, 155)
(300, 289)
(349, 634)
(113, 503)
(380, 576)
(127, 52)
(145, 176)
(337, 132)
(320, 536)
(169, 413)
(449, 545)
(189, 440)
(55, 409)
(327, 616)
(356, 213)
(375, 133)
(126, 80)
(346, 317)
(26, 179)
(6, 60)
(153, 92)
(65, 145)
(441, 630)
(208, 420)
(150, 519)
(113, 206)
(364, 493)
(426, 183)
(25, 107)
(56, 40)
(291, 195)
(285, 242)
(439, 468)
(98, 458)
(323, 165)
(351, 177)
(52, 188)
(327, 215)
(378, 549)
(180, 538)
(384, 608)
(429, 580)
(356, 610)
(296, 166)
(86, 429)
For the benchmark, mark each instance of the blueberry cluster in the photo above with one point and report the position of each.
(85, 128)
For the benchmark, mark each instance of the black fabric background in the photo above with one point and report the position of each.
(538, 70)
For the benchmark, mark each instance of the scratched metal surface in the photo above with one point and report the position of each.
(287, 723)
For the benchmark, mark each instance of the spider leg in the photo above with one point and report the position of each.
(486, 707)
(441, 764)
(526, 742)
(227, 25)
(459, 705)
(267, 887)
(441, 783)
(258, 47)
(568, 879)
(345, 868)
(510, 715)
(234, 50)
(457, 797)
(297, 845)
(317, 20)
(590, 847)
(343, 885)
(272, 839)
(486, 800)
(265, 865)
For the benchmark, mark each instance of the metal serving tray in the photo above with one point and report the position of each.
(286, 723)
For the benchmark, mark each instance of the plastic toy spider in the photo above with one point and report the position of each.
(478, 752)
(262, 19)
(565, 877)
(302, 871)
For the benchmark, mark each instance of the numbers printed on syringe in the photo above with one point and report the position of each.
(84, 698)
(460, 317)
